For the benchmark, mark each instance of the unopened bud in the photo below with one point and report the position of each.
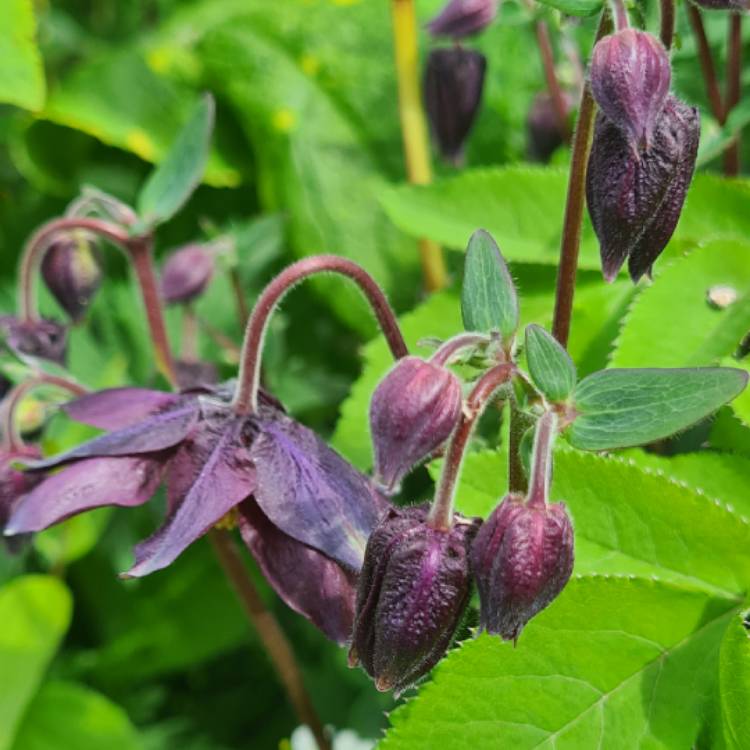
(453, 83)
(544, 130)
(412, 412)
(72, 272)
(37, 338)
(630, 77)
(521, 558)
(413, 589)
(186, 273)
(635, 199)
(460, 18)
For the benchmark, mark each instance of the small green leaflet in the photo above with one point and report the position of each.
(489, 301)
(173, 181)
(575, 7)
(21, 73)
(622, 408)
(734, 684)
(551, 367)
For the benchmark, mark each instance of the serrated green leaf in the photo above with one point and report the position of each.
(35, 613)
(613, 663)
(575, 7)
(629, 520)
(489, 301)
(172, 182)
(621, 408)
(675, 311)
(734, 685)
(21, 73)
(68, 715)
(550, 366)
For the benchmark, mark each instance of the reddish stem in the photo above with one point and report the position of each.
(553, 84)
(541, 468)
(246, 397)
(707, 63)
(666, 31)
(448, 349)
(734, 74)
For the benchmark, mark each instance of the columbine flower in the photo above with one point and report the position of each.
(304, 512)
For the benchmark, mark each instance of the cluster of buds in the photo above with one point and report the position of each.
(643, 152)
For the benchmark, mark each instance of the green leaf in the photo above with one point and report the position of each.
(630, 520)
(35, 613)
(551, 367)
(575, 7)
(172, 182)
(66, 715)
(620, 408)
(613, 663)
(675, 310)
(489, 301)
(734, 684)
(21, 71)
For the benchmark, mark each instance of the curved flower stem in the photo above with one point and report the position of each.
(246, 396)
(272, 636)
(574, 204)
(541, 467)
(139, 252)
(667, 22)
(553, 84)
(733, 82)
(414, 128)
(448, 349)
(10, 436)
(441, 512)
(707, 62)
(620, 14)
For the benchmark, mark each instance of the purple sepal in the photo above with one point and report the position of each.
(460, 18)
(413, 590)
(46, 339)
(521, 559)
(116, 408)
(186, 273)
(14, 484)
(223, 476)
(311, 493)
(308, 581)
(122, 481)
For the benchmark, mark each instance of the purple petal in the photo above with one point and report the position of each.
(312, 494)
(219, 475)
(308, 581)
(116, 408)
(85, 485)
(156, 433)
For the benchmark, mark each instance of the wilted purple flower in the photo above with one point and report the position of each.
(453, 83)
(186, 273)
(413, 590)
(521, 558)
(543, 127)
(412, 412)
(318, 508)
(460, 18)
(635, 199)
(36, 338)
(630, 77)
(72, 272)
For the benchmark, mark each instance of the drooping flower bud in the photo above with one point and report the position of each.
(630, 77)
(186, 273)
(521, 558)
(460, 18)
(453, 83)
(635, 199)
(37, 338)
(544, 130)
(412, 412)
(413, 589)
(72, 272)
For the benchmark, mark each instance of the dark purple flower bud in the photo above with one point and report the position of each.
(453, 83)
(413, 589)
(635, 199)
(736, 5)
(36, 338)
(72, 272)
(460, 18)
(630, 77)
(544, 130)
(521, 558)
(412, 412)
(186, 273)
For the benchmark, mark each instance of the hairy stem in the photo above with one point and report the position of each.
(620, 14)
(190, 333)
(574, 204)
(707, 62)
(272, 636)
(246, 397)
(734, 75)
(553, 84)
(453, 346)
(667, 22)
(441, 512)
(414, 128)
(541, 466)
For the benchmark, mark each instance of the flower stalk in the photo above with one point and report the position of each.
(733, 82)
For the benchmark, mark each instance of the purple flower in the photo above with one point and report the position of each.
(543, 128)
(460, 18)
(35, 338)
(305, 513)
(186, 273)
(14, 484)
